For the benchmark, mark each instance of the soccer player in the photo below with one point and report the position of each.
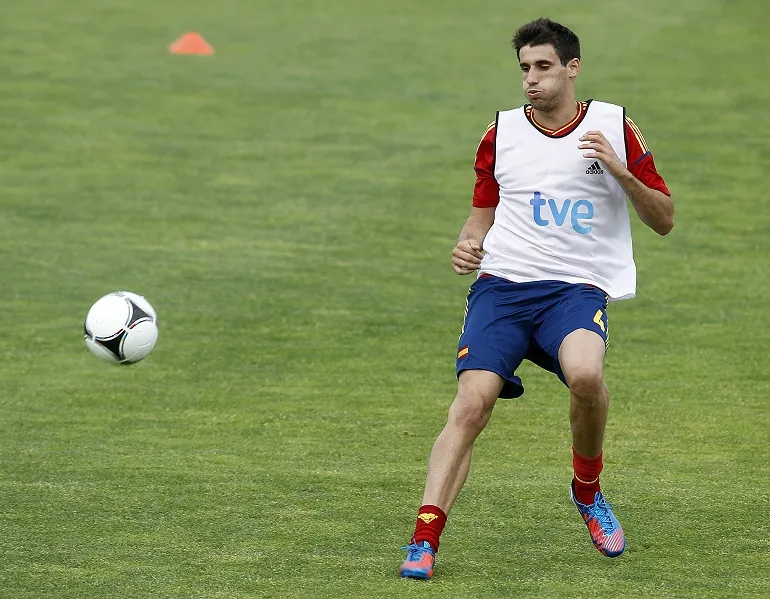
(550, 238)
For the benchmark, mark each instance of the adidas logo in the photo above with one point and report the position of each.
(595, 169)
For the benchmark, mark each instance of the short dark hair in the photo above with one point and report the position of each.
(545, 31)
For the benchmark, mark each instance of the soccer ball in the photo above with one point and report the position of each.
(121, 327)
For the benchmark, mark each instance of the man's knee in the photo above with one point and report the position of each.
(471, 408)
(586, 382)
(469, 412)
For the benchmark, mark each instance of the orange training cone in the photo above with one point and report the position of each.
(191, 43)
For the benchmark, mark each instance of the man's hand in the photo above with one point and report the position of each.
(602, 149)
(466, 257)
(655, 208)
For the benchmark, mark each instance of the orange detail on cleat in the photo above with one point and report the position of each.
(603, 527)
(419, 561)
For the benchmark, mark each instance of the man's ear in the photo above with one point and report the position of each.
(573, 67)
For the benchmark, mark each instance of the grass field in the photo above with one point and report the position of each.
(289, 206)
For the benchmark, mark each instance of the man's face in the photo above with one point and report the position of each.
(544, 79)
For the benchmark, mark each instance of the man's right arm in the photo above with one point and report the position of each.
(478, 225)
(466, 257)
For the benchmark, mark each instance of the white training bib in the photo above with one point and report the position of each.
(561, 216)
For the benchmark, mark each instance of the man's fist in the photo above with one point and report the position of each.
(466, 257)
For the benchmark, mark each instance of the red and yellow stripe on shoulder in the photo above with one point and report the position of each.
(488, 129)
(483, 137)
(638, 134)
(463, 352)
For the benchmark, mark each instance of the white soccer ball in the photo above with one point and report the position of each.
(121, 327)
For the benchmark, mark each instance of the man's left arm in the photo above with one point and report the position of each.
(655, 208)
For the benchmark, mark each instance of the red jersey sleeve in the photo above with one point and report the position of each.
(639, 159)
(486, 192)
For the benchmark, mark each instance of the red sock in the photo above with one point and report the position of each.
(430, 522)
(586, 479)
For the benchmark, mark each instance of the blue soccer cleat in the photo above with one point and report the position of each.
(604, 528)
(419, 561)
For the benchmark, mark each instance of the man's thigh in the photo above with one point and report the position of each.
(495, 334)
(581, 307)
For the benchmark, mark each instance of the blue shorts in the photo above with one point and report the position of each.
(507, 322)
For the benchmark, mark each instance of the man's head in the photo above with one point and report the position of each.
(549, 56)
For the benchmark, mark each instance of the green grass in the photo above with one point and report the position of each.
(288, 206)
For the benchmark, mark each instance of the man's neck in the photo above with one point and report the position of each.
(557, 118)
